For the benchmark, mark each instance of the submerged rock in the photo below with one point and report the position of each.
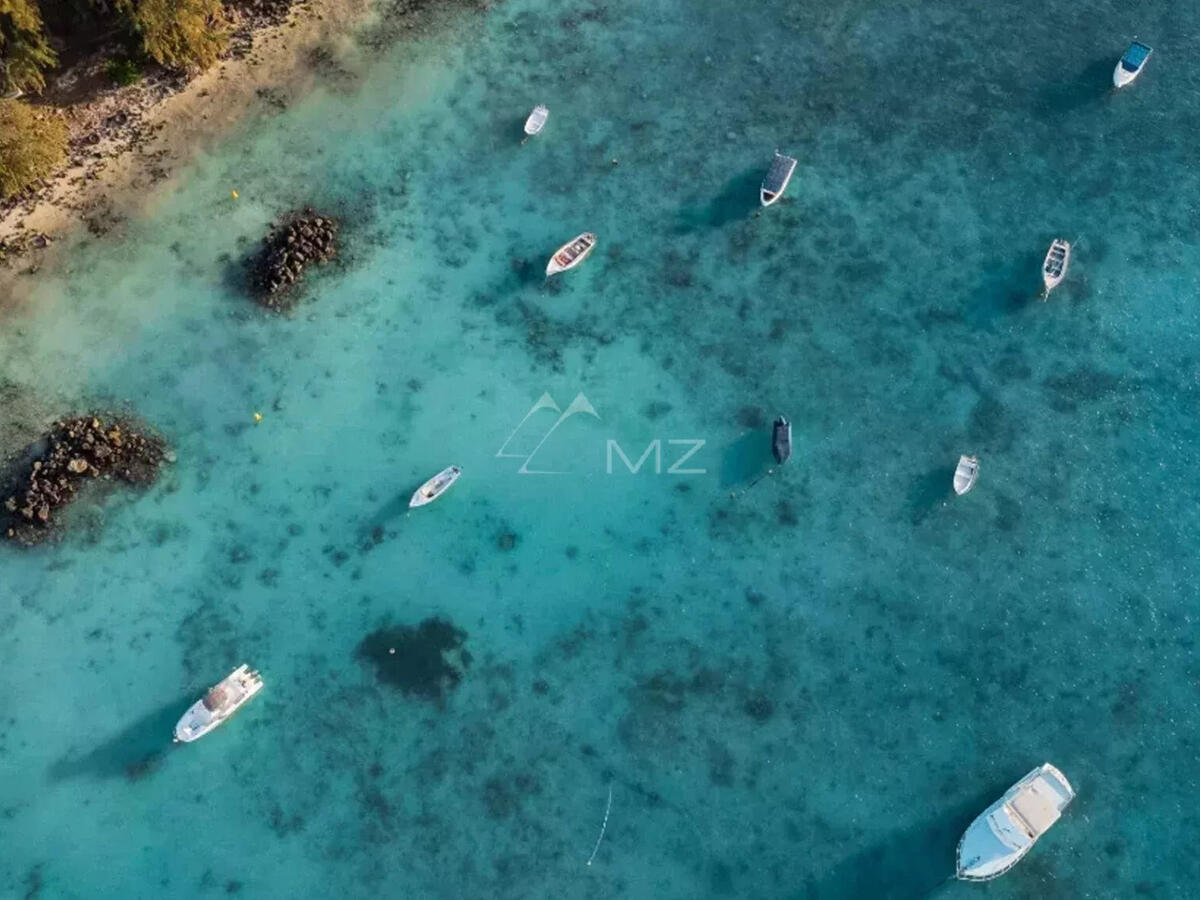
(300, 240)
(73, 453)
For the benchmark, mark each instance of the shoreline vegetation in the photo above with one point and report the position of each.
(94, 114)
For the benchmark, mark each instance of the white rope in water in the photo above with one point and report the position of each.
(603, 827)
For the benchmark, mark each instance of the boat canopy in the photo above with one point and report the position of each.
(1036, 810)
(778, 174)
(215, 699)
(1134, 56)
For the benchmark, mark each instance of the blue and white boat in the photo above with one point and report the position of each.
(1008, 829)
(777, 178)
(1131, 64)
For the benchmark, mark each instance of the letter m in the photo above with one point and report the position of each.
(655, 447)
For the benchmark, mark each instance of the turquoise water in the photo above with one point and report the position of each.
(799, 686)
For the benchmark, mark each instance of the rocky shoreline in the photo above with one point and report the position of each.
(75, 452)
(297, 242)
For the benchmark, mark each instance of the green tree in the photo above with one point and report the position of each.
(24, 51)
(32, 145)
(183, 34)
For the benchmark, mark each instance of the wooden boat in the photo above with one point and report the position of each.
(1003, 833)
(776, 180)
(537, 120)
(966, 474)
(1054, 267)
(1131, 64)
(781, 440)
(571, 254)
(435, 486)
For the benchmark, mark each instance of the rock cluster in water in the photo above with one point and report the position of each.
(75, 452)
(300, 241)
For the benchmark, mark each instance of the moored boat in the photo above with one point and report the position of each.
(781, 440)
(1004, 832)
(1131, 64)
(537, 120)
(776, 180)
(966, 474)
(571, 254)
(435, 486)
(220, 702)
(1054, 267)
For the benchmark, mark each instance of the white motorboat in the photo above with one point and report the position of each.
(966, 474)
(1054, 267)
(220, 702)
(1131, 64)
(1004, 832)
(776, 180)
(435, 486)
(571, 254)
(536, 121)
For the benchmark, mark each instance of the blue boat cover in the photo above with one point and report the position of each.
(781, 168)
(1134, 56)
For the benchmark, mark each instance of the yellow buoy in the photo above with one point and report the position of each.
(234, 194)
(258, 417)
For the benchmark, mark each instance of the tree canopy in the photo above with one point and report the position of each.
(32, 144)
(182, 34)
(25, 52)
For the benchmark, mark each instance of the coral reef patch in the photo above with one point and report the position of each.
(426, 660)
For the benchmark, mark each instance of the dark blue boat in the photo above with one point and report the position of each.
(1130, 66)
(781, 440)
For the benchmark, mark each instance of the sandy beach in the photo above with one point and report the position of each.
(127, 140)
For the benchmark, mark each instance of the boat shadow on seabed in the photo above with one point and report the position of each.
(913, 863)
(133, 753)
(737, 200)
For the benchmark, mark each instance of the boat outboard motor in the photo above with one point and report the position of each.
(781, 440)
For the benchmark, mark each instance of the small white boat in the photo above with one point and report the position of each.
(571, 254)
(435, 486)
(1054, 267)
(1131, 64)
(776, 180)
(1006, 830)
(220, 702)
(537, 120)
(966, 474)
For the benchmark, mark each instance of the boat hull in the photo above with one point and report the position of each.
(537, 120)
(560, 264)
(199, 720)
(982, 855)
(1122, 75)
(435, 487)
(966, 474)
(781, 440)
(1054, 270)
(777, 179)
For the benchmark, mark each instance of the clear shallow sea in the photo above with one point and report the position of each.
(805, 690)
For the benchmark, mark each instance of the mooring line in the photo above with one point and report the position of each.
(603, 827)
